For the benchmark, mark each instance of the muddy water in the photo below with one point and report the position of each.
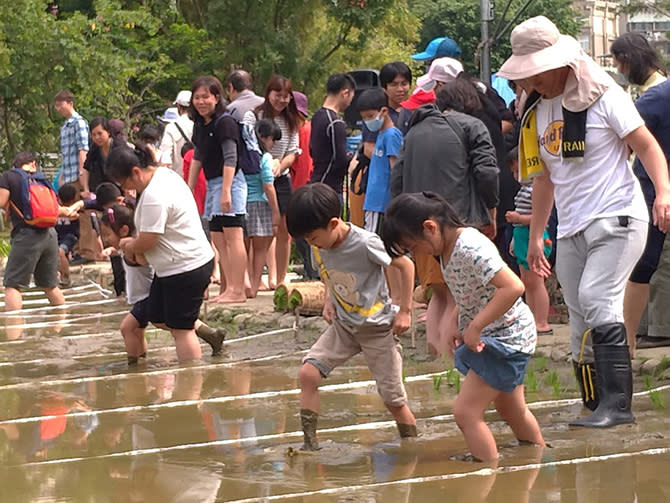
(77, 425)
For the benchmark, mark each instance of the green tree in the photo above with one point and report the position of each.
(128, 58)
(462, 22)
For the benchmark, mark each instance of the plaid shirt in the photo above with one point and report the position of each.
(73, 138)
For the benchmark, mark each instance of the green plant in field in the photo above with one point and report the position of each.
(455, 379)
(437, 381)
(655, 396)
(553, 381)
(662, 366)
(539, 364)
(451, 377)
(531, 381)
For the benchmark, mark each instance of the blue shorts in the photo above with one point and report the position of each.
(499, 366)
(521, 236)
(238, 195)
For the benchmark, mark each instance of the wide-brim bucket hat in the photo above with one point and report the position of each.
(537, 47)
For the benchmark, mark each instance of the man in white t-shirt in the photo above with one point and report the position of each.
(176, 134)
(576, 132)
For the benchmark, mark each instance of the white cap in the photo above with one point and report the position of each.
(170, 115)
(441, 70)
(183, 99)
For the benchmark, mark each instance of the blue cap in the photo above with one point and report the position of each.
(438, 48)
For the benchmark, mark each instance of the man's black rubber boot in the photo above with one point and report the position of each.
(586, 378)
(615, 378)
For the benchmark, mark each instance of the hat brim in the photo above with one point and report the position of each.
(425, 83)
(422, 56)
(564, 51)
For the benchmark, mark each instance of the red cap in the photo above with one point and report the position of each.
(418, 98)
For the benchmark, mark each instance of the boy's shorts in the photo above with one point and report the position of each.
(34, 252)
(521, 236)
(67, 242)
(341, 341)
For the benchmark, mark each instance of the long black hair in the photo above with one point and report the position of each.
(406, 214)
(122, 159)
(642, 59)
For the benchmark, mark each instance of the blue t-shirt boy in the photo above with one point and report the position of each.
(378, 192)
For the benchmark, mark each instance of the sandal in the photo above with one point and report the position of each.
(546, 332)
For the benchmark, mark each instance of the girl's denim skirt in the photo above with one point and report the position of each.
(498, 365)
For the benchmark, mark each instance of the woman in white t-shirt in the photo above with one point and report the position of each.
(171, 238)
(576, 133)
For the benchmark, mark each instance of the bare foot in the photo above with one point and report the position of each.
(230, 299)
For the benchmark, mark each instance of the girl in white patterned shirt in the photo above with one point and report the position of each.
(494, 334)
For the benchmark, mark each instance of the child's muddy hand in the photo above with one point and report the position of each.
(472, 339)
(109, 251)
(453, 340)
(329, 312)
(402, 322)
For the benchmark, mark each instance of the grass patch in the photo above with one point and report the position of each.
(655, 396)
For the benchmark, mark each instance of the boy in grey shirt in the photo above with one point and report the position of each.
(361, 317)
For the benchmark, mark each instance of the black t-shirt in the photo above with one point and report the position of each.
(208, 140)
(11, 180)
(328, 148)
(95, 165)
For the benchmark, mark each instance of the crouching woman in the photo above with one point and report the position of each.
(171, 238)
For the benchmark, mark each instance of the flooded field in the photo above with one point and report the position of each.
(77, 425)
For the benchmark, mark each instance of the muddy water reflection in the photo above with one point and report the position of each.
(77, 425)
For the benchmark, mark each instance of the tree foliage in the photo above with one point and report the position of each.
(128, 58)
(461, 21)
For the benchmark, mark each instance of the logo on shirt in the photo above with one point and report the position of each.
(551, 138)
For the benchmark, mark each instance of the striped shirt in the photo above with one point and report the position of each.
(73, 138)
(287, 145)
(522, 200)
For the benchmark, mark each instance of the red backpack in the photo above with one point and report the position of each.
(39, 205)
